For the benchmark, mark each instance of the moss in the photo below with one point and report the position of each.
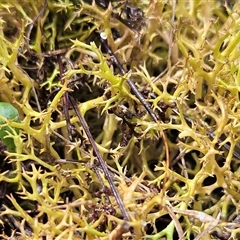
(157, 83)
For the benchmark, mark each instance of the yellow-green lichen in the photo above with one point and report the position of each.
(183, 56)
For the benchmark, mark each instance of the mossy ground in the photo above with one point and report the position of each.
(183, 57)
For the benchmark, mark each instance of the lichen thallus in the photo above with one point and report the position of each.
(132, 16)
(69, 100)
(211, 135)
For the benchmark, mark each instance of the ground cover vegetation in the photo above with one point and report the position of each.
(119, 119)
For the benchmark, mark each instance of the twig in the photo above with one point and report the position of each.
(97, 171)
(65, 101)
(33, 22)
(170, 43)
(140, 98)
(100, 159)
(176, 221)
(209, 227)
(183, 163)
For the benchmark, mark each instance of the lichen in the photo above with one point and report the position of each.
(177, 177)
